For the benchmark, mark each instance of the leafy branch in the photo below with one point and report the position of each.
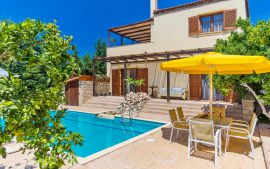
(39, 63)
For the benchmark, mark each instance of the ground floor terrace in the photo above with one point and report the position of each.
(157, 83)
(155, 151)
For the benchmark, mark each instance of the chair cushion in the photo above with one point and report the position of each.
(181, 125)
(177, 90)
(163, 90)
(238, 132)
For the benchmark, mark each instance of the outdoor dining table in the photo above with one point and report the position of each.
(219, 123)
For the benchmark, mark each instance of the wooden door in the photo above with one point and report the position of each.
(73, 93)
(116, 82)
(195, 87)
(66, 94)
(142, 74)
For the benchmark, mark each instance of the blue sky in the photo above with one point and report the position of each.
(88, 20)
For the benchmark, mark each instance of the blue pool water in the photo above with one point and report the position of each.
(100, 133)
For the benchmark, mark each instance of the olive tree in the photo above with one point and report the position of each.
(38, 59)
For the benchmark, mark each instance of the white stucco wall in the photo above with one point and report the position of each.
(170, 33)
(170, 30)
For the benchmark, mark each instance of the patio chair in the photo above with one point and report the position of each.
(202, 131)
(176, 123)
(240, 131)
(180, 113)
(242, 123)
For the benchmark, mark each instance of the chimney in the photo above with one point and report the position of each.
(153, 6)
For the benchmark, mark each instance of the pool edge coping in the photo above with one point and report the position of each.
(95, 156)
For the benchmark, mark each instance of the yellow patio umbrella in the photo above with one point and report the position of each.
(217, 63)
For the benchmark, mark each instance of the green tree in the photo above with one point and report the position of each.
(38, 60)
(86, 65)
(100, 51)
(248, 40)
(78, 61)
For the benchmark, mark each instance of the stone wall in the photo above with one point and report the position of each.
(248, 109)
(86, 90)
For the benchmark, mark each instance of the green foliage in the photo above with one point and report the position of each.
(134, 82)
(86, 63)
(248, 40)
(100, 51)
(38, 60)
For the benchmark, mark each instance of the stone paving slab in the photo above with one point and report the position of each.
(161, 154)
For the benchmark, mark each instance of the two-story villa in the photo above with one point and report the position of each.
(171, 33)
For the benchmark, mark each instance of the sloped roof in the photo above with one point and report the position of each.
(185, 6)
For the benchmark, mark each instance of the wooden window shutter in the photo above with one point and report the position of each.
(194, 25)
(116, 82)
(142, 74)
(195, 87)
(230, 17)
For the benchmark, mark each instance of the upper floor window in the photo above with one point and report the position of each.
(212, 23)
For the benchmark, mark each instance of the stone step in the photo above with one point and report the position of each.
(167, 109)
(103, 103)
(116, 99)
(148, 110)
(99, 107)
(161, 107)
(165, 112)
(158, 108)
(150, 102)
(169, 106)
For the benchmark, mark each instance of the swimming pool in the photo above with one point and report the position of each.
(100, 133)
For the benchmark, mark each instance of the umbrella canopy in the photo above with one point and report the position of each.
(217, 63)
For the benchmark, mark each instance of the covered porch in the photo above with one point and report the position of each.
(145, 66)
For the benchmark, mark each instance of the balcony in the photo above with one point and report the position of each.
(133, 49)
(135, 33)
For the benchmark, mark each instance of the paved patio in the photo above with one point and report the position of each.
(156, 152)
(265, 136)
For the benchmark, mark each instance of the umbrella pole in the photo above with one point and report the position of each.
(211, 95)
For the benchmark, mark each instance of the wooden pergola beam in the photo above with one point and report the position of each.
(134, 30)
(136, 33)
(145, 38)
(132, 26)
(154, 55)
(140, 36)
